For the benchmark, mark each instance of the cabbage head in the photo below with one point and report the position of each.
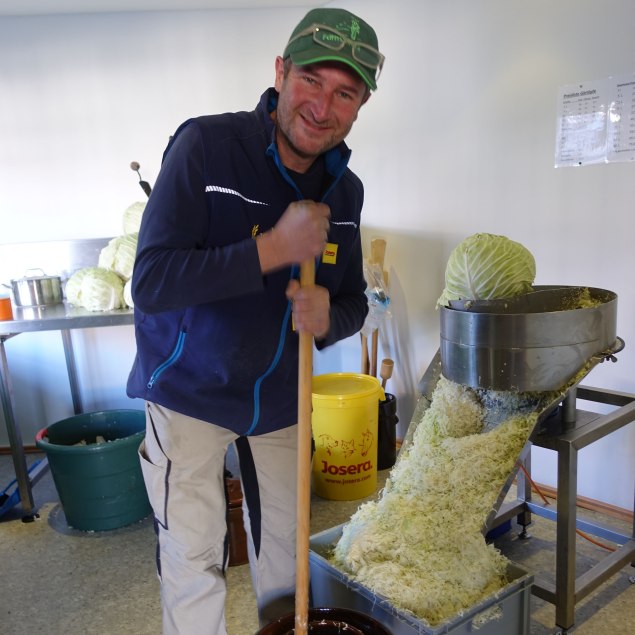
(95, 289)
(119, 255)
(485, 267)
(132, 217)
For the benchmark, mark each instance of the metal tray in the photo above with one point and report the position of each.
(505, 612)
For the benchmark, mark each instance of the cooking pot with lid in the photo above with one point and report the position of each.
(36, 290)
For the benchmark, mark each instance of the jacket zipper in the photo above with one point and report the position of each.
(176, 353)
(295, 270)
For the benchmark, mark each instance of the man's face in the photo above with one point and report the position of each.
(316, 110)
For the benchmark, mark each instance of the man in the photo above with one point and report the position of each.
(241, 199)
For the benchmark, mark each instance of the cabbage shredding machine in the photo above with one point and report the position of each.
(541, 344)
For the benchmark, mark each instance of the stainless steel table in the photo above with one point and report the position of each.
(567, 433)
(59, 317)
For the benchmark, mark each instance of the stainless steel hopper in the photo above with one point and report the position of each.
(534, 342)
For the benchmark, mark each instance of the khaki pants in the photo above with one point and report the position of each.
(183, 461)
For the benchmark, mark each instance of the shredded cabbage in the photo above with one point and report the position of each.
(420, 544)
(95, 289)
(119, 255)
(132, 217)
(487, 266)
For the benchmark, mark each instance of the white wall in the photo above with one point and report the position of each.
(458, 139)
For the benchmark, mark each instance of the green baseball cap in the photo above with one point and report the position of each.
(336, 35)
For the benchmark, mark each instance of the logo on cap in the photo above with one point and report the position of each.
(353, 29)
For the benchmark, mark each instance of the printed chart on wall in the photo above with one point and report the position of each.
(596, 122)
(621, 119)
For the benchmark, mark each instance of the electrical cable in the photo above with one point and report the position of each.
(546, 502)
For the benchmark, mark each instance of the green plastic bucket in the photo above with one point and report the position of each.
(95, 467)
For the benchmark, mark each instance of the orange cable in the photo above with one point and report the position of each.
(546, 502)
(595, 542)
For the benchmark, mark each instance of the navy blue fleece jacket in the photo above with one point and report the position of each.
(214, 336)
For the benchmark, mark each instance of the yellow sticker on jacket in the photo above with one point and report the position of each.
(329, 257)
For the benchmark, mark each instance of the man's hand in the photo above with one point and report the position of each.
(311, 308)
(299, 235)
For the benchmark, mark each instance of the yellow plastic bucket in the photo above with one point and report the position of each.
(345, 412)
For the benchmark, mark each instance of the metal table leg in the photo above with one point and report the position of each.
(523, 493)
(15, 438)
(71, 367)
(24, 480)
(566, 535)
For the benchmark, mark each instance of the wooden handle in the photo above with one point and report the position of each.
(303, 512)
(378, 252)
(365, 360)
(377, 255)
(386, 371)
(374, 345)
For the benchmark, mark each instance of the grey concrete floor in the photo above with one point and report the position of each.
(57, 580)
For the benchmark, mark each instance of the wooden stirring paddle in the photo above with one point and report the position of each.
(303, 512)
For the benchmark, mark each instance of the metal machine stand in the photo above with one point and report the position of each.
(567, 433)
